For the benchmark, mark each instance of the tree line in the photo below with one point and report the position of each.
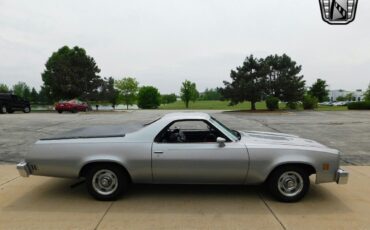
(71, 73)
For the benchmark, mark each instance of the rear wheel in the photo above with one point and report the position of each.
(27, 109)
(60, 111)
(289, 183)
(106, 181)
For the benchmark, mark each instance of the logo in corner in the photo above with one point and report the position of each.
(338, 12)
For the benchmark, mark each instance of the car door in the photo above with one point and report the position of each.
(199, 162)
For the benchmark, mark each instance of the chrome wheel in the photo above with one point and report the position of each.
(290, 183)
(3, 109)
(26, 110)
(105, 182)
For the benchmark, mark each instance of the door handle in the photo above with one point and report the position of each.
(158, 152)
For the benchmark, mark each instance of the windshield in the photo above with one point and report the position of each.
(234, 133)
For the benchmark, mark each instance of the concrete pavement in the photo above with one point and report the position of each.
(50, 203)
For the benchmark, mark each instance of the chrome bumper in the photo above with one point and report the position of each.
(342, 176)
(23, 169)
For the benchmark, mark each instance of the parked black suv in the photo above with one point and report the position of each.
(10, 103)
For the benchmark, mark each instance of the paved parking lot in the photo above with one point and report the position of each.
(51, 203)
(348, 131)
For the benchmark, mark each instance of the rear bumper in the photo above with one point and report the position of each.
(342, 176)
(23, 169)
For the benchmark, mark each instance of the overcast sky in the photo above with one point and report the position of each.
(161, 43)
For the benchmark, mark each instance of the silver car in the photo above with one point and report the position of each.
(183, 148)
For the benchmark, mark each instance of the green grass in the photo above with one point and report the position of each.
(223, 105)
(216, 105)
(332, 108)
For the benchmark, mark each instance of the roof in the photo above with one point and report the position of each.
(186, 115)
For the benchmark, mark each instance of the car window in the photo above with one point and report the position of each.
(190, 125)
(189, 131)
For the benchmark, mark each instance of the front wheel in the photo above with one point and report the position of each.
(289, 184)
(106, 182)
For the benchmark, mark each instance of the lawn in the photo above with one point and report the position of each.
(223, 105)
(217, 105)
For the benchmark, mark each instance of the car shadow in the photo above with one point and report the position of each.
(58, 195)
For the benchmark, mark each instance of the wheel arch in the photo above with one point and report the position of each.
(85, 168)
(310, 169)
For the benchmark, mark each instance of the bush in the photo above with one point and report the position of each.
(361, 105)
(309, 102)
(148, 98)
(168, 98)
(272, 103)
(292, 105)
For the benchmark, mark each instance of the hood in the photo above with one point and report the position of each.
(279, 139)
(103, 131)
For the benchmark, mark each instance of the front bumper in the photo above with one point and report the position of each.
(23, 169)
(342, 176)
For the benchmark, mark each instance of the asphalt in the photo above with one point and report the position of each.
(348, 131)
(51, 203)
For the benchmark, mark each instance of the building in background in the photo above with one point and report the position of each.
(357, 95)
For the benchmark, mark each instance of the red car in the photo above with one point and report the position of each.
(72, 106)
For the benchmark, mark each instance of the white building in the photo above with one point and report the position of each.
(358, 95)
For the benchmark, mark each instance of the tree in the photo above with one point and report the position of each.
(4, 88)
(44, 97)
(34, 96)
(319, 90)
(248, 82)
(148, 98)
(350, 97)
(108, 92)
(127, 88)
(21, 89)
(283, 80)
(168, 98)
(210, 95)
(189, 92)
(367, 94)
(71, 73)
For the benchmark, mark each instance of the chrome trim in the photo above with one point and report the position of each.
(342, 176)
(23, 169)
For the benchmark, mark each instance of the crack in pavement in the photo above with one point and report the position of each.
(105, 213)
(9, 181)
(272, 212)
(266, 125)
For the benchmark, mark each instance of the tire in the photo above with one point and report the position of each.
(106, 182)
(60, 111)
(289, 183)
(3, 109)
(27, 109)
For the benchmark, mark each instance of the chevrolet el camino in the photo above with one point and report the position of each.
(183, 148)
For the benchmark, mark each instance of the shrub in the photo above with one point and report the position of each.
(360, 105)
(272, 103)
(148, 98)
(168, 98)
(309, 102)
(292, 105)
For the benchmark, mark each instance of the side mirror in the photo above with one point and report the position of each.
(221, 141)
